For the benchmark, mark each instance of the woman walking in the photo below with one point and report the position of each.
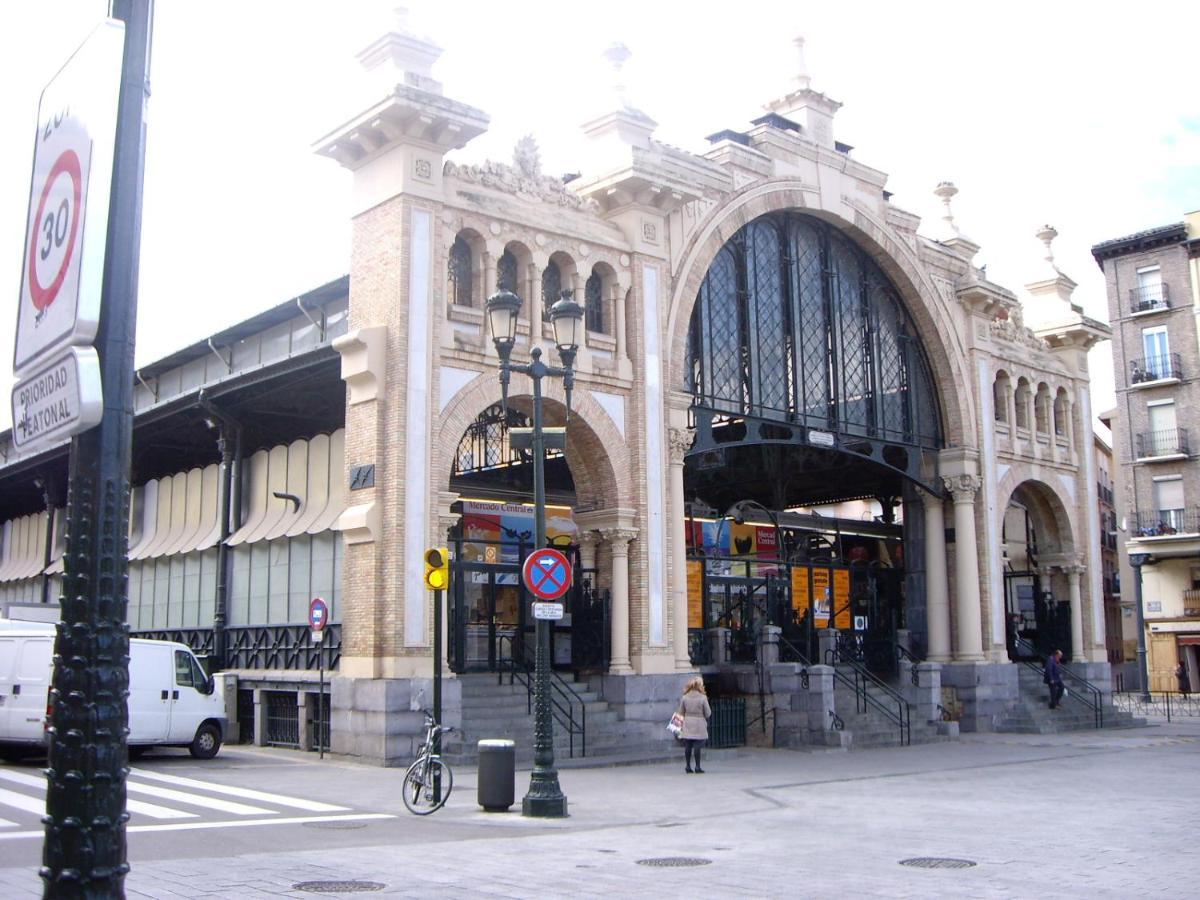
(694, 708)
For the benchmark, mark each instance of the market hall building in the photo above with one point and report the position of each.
(804, 440)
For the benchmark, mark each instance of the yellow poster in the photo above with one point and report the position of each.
(821, 597)
(841, 598)
(800, 594)
(695, 593)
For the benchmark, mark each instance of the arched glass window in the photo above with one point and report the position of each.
(593, 302)
(506, 272)
(551, 284)
(461, 274)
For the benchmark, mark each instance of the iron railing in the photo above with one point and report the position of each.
(863, 684)
(288, 647)
(1148, 298)
(1079, 688)
(567, 707)
(1166, 522)
(727, 727)
(1155, 368)
(1171, 704)
(283, 719)
(1167, 442)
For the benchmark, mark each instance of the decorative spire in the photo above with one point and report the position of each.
(803, 80)
(1046, 234)
(617, 55)
(400, 56)
(946, 191)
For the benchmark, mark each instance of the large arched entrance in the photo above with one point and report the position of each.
(1039, 566)
(816, 420)
(490, 621)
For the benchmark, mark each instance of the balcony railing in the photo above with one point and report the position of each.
(1168, 522)
(1155, 368)
(1191, 602)
(1148, 298)
(1167, 442)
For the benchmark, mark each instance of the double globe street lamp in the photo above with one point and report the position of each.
(545, 798)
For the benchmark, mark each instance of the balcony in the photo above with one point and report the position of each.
(1148, 299)
(1155, 370)
(1168, 522)
(1191, 602)
(1159, 446)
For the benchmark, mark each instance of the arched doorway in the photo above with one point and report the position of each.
(1039, 562)
(490, 620)
(813, 402)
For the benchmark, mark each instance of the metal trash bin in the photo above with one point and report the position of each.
(497, 774)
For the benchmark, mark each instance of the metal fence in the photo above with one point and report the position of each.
(283, 719)
(727, 727)
(1168, 704)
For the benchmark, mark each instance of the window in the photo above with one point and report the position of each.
(1168, 500)
(506, 272)
(1154, 343)
(1022, 414)
(1041, 409)
(461, 273)
(1163, 437)
(1000, 391)
(593, 302)
(1149, 293)
(1062, 412)
(551, 284)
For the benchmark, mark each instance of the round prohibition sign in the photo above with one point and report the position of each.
(55, 228)
(318, 614)
(546, 573)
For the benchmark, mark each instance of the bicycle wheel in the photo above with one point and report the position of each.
(420, 781)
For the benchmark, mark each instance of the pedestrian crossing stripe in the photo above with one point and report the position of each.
(170, 818)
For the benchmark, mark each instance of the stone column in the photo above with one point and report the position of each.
(1078, 652)
(587, 550)
(937, 586)
(679, 440)
(618, 540)
(969, 635)
(618, 305)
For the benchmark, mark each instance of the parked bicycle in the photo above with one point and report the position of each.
(428, 781)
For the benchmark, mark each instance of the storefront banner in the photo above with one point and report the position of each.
(494, 532)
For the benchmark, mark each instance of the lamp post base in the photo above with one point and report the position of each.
(544, 807)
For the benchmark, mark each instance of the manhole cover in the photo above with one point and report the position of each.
(674, 862)
(338, 887)
(336, 826)
(937, 862)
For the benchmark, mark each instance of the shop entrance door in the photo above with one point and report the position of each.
(487, 617)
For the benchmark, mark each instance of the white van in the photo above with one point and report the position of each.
(171, 701)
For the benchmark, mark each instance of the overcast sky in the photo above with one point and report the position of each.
(1084, 116)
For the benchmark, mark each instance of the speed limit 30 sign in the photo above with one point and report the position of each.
(63, 254)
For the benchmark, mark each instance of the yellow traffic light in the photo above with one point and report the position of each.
(437, 569)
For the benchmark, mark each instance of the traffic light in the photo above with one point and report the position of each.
(437, 569)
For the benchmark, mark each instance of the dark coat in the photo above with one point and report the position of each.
(1053, 671)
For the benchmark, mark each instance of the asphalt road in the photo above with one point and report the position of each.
(1090, 814)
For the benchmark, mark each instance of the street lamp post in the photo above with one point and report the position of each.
(1137, 560)
(545, 798)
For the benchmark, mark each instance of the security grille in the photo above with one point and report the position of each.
(283, 720)
(727, 727)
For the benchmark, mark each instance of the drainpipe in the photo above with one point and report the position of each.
(229, 445)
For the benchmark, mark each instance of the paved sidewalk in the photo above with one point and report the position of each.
(1088, 814)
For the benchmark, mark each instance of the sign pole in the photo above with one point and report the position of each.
(321, 698)
(85, 851)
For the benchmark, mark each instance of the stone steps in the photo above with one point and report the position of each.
(1032, 715)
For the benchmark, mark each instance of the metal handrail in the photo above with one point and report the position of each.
(903, 653)
(1095, 702)
(901, 716)
(563, 695)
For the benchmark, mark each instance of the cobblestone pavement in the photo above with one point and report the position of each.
(1089, 814)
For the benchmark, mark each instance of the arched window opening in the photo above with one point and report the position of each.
(551, 284)
(1022, 403)
(593, 302)
(506, 272)
(1062, 413)
(485, 444)
(1041, 409)
(462, 273)
(1000, 391)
